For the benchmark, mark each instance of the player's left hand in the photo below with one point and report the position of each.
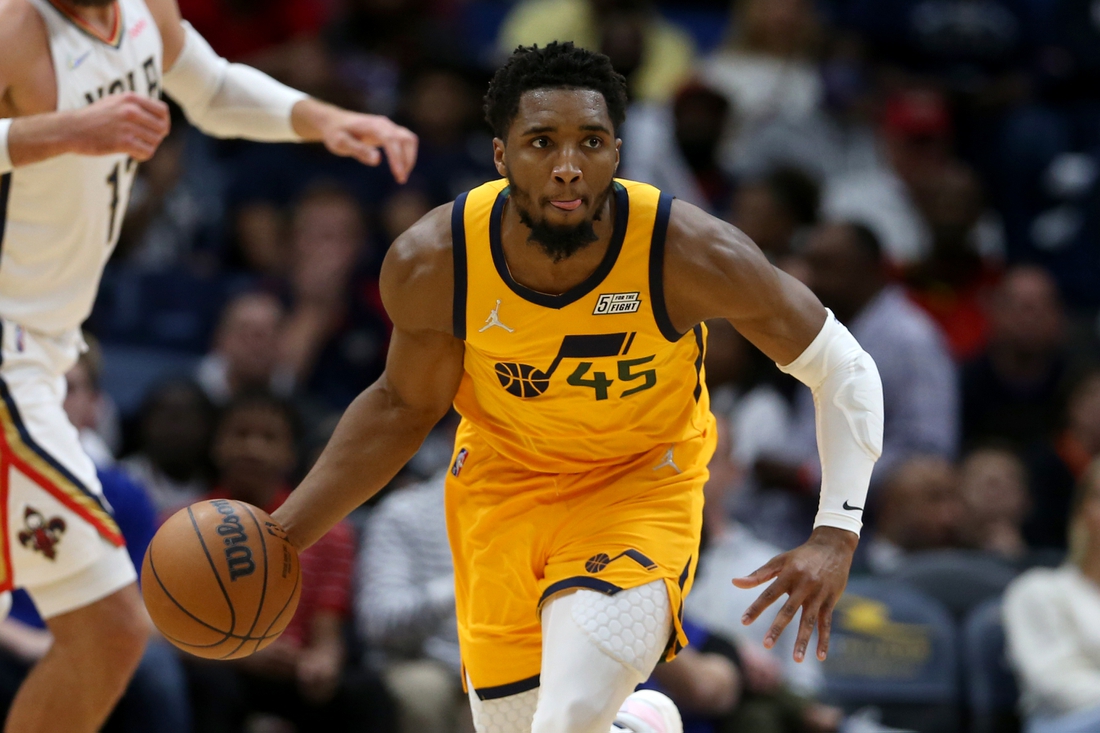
(813, 576)
(364, 137)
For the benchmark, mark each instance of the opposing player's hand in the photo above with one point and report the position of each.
(813, 577)
(364, 137)
(120, 123)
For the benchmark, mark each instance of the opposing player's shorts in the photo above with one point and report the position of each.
(520, 537)
(61, 542)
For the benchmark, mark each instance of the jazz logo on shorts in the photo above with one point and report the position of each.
(460, 461)
(601, 560)
(41, 534)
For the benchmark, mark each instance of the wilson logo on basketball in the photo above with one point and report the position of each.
(238, 555)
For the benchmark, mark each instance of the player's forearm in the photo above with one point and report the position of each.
(310, 117)
(848, 401)
(36, 138)
(377, 435)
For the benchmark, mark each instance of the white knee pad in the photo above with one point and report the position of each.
(632, 626)
(512, 714)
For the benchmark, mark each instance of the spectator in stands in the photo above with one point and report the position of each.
(1059, 463)
(767, 68)
(303, 676)
(994, 493)
(655, 56)
(442, 105)
(1050, 624)
(776, 211)
(920, 392)
(245, 354)
(777, 692)
(334, 338)
(174, 428)
(1010, 391)
(674, 146)
(917, 508)
(916, 136)
(955, 282)
(406, 607)
(91, 412)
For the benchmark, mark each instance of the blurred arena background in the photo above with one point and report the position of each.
(930, 168)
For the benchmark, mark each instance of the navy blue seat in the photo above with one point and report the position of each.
(130, 371)
(895, 648)
(991, 691)
(959, 579)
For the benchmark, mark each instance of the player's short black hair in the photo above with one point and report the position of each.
(554, 66)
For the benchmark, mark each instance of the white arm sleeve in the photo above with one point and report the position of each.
(5, 157)
(848, 403)
(229, 100)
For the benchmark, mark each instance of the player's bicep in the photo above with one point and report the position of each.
(424, 369)
(714, 271)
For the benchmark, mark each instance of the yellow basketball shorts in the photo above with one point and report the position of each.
(519, 537)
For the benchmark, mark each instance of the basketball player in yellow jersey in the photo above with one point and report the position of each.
(559, 310)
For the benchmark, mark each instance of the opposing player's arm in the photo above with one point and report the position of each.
(386, 424)
(234, 100)
(715, 271)
(31, 130)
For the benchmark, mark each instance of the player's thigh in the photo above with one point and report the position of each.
(596, 649)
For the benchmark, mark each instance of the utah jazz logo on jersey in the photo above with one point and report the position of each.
(525, 381)
(601, 560)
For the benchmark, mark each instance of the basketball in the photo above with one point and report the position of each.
(220, 579)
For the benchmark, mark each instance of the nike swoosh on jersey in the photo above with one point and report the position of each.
(73, 63)
(851, 508)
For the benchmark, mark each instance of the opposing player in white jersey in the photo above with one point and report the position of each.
(80, 82)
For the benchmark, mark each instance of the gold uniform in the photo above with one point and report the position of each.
(585, 435)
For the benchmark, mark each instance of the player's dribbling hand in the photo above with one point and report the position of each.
(813, 576)
(121, 123)
(364, 137)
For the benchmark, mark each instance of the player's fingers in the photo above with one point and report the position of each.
(401, 153)
(765, 599)
(154, 108)
(142, 117)
(352, 147)
(769, 570)
(824, 628)
(140, 150)
(806, 625)
(786, 613)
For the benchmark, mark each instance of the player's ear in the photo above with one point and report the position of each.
(618, 151)
(498, 157)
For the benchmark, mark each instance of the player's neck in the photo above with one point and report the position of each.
(99, 17)
(531, 266)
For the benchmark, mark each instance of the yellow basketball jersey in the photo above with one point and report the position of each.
(562, 383)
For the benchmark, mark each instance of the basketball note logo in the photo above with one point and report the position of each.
(610, 304)
(601, 560)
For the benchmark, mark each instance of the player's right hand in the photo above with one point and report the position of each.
(121, 123)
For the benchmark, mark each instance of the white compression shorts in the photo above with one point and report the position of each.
(595, 650)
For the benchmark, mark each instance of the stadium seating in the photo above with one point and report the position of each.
(959, 579)
(895, 648)
(991, 689)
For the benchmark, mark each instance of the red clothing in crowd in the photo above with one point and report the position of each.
(239, 28)
(327, 568)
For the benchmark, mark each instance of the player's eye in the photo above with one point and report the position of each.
(594, 142)
(540, 142)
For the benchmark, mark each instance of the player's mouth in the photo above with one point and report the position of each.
(568, 205)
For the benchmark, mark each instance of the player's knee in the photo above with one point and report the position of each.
(581, 714)
(110, 634)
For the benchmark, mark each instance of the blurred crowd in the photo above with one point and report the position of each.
(929, 168)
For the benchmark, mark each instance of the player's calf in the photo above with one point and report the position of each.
(95, 651)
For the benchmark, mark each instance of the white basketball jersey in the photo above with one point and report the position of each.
(60, 218)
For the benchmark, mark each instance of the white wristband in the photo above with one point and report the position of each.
(5, 157)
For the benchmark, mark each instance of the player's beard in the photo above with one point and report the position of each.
(557, 241)
(92, 3)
